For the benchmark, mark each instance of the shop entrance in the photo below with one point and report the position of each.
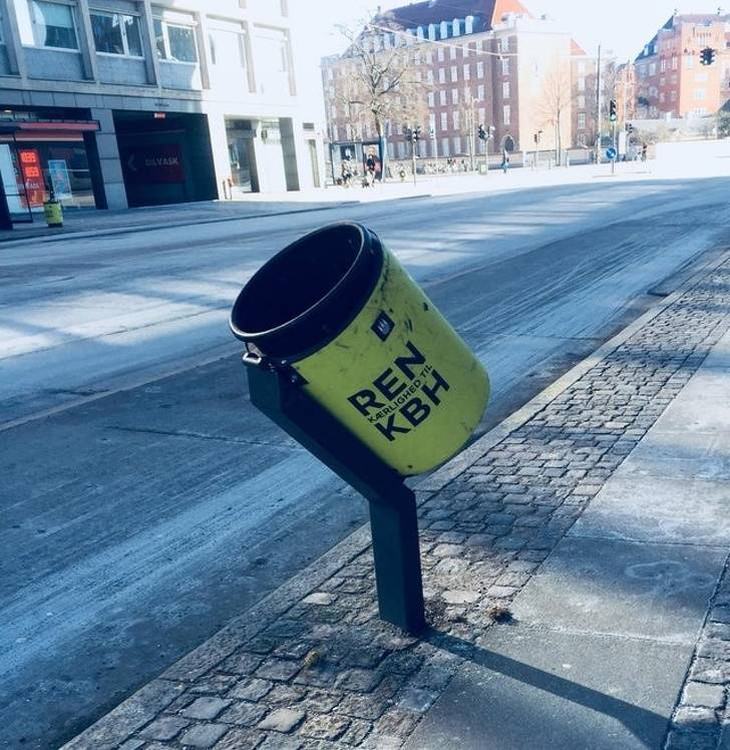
(166, 157)
(241, 155)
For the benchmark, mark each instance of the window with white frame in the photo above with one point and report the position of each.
(430, 99)
(505, 66)
(454, 74)
(581, 102)
(452, 53)
(442, 97)
(227, 43)
(455, 119)
(480, 69)
(504, 44)
(454, 96)
(445, 147)
(505, 90)
(480, 93)
(442, 75)
(581, 84)
(54, 25)
(506, 114)
(467, 72)
(116, 33)
(581, 120)
(699, 94)
(444, 121)
(429, 76)
(482, 114)
(175, 41)
(440, 54)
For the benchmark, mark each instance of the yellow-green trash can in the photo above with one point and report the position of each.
(338, 309)
(53, 214)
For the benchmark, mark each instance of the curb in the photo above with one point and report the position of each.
(86, 233)
(111, 730)
(83, 234)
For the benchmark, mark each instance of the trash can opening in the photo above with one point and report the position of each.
(309, 292)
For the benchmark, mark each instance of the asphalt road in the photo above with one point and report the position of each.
(143, 502)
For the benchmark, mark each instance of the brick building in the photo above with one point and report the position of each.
(478, 61)
(669, 78)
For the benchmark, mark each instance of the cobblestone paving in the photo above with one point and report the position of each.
(329, 674)
(701, 721)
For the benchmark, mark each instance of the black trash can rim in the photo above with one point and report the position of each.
(325, 311)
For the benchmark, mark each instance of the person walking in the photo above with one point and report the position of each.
(505, 161)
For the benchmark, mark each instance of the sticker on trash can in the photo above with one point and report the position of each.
(403, 396)
(383, 326)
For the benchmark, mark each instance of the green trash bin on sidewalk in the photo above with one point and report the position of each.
(338, 312)
(53, 214)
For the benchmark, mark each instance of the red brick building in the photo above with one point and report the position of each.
(670, 81)
(479, 61)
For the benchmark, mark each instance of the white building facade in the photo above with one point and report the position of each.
(119, 103)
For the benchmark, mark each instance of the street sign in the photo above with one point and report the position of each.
(611, 153)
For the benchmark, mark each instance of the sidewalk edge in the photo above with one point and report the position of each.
(112, 729)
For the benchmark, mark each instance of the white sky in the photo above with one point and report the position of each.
(636, 22)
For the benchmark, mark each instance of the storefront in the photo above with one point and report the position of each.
(41, 157)
(166, 157)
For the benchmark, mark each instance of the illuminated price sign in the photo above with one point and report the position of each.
(32, 174)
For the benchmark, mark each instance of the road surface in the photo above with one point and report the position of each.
(143, 501)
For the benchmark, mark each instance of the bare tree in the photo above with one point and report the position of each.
(555, 104)
(382, 79)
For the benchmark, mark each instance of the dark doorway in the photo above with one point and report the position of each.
(166, 157)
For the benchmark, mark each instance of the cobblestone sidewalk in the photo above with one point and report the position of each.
(313, 667)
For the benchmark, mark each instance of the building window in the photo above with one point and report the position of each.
(429, 76)
(454, 74)
(480, 70)
(467, 72)
(689, 61)
(581, 84)
(506, 114)
(661, 97)
(227, 45)
(54, 25)
(116, 34)
(480, 93)
(674, 62)
(442, 75)
(454, 96)
(699, 94)
(430, 99)
(581, 120)
(444, 121)
(504, 44)
(505, 90)
(442, 97)
(175, 42)
(652, 69)
(445, 147)
(673, 96)
(505, 66)
(581, 102)
(455, 118)
(452, 53)
(440, 54)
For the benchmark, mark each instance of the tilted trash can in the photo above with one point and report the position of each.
(338, 313)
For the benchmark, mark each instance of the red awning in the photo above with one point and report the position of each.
(50, 130)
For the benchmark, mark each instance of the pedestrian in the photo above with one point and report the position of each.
(346, 172)
(505, 161)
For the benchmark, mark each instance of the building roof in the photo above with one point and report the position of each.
(576, 49)
(490, 12)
